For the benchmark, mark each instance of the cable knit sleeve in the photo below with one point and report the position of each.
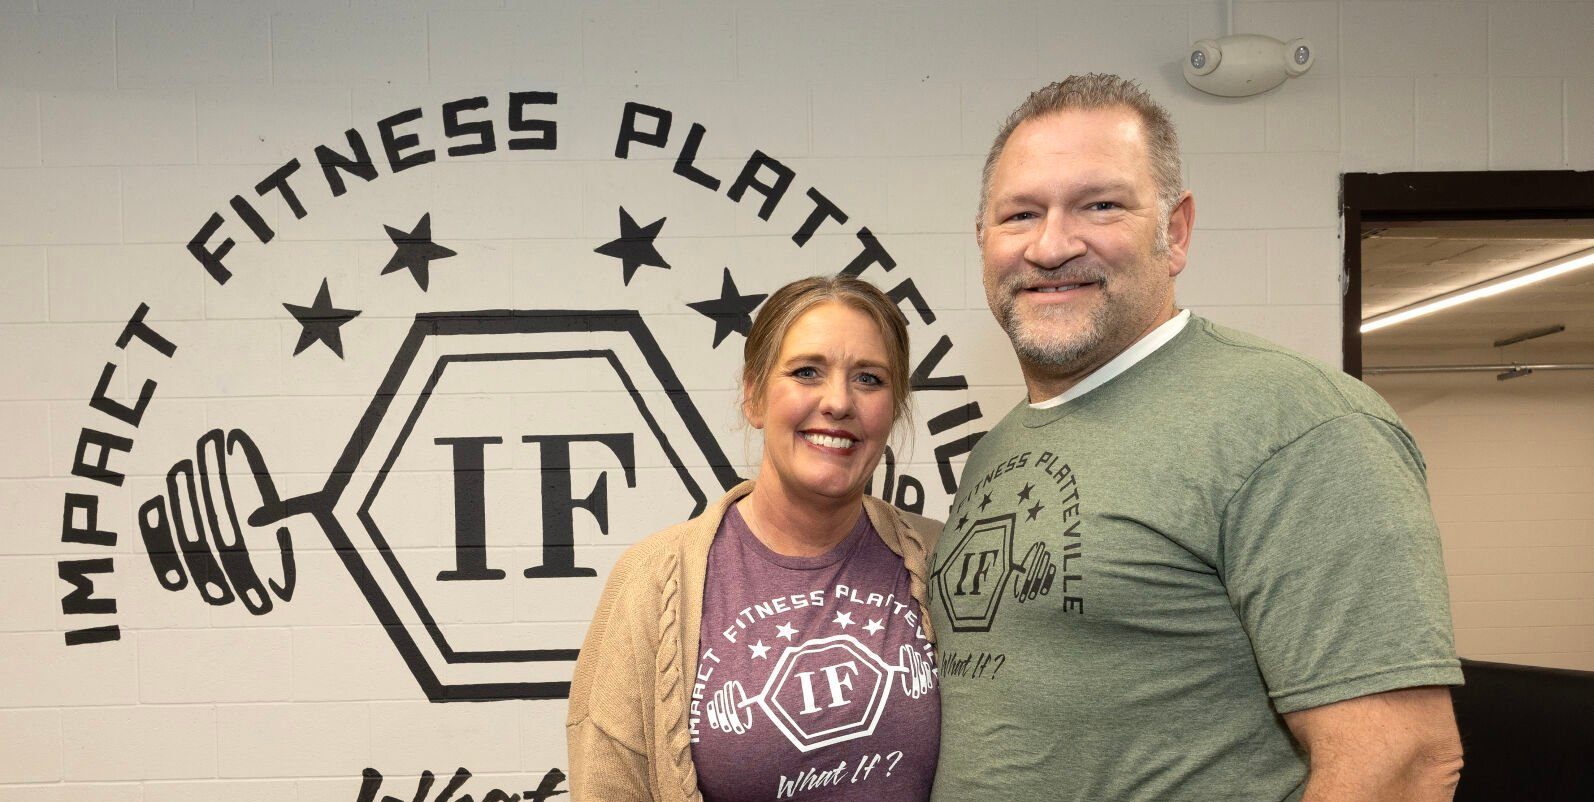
(610, 722)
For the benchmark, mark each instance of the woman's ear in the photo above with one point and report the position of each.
(751, 411)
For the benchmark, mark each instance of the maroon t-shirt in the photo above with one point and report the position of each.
(815, 681)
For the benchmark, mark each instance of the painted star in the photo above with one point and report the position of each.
(873, 627)
(985, 502)
(1023, 495)
(732, 311)
(962, 520)
(760, 651)
(415, 251)
(1035, 510)
(634, 247)
(844, 619)
(320, 322)
(786, 631)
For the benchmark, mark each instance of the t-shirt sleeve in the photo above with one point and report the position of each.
(1333, 564)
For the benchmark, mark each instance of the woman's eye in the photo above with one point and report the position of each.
(871, 379)
(805, 373)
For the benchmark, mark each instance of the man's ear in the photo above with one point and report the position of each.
(1180, 223)
(979, 232)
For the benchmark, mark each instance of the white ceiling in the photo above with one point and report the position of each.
(1403, 263)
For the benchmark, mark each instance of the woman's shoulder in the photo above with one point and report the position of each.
(906, 525)
(927, 530)
(647, 559)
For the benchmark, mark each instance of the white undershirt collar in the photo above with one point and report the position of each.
(1138, 350)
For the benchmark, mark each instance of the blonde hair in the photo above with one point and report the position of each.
(787, 304)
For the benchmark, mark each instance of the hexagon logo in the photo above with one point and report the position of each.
(826, 691)
(971, 579)
(473, 501)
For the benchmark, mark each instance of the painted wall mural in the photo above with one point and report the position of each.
(500, 458)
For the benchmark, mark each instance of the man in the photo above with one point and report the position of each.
(1195, 566)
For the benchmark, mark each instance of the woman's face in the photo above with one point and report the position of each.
(827, 410)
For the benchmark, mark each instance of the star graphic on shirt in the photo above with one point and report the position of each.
(1023, 495)
(1035, 510)
(962, 520)
(760, 651)
(873, 627)
(844, 619)
(985, 502)
(634, 247)
(415, 250)
(786, 631)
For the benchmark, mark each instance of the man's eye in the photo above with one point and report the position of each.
(1103, 206)
(1018, 216)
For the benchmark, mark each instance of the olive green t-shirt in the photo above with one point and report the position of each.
(1133, 587)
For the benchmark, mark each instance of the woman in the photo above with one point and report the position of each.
(777, 644)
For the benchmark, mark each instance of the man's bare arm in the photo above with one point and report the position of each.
(1400, 746)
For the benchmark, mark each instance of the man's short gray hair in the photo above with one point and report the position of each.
(1099, 91)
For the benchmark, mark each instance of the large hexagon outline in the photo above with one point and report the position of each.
(788, 724)
(1008, 524)
(411, 645)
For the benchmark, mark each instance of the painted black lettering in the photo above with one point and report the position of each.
(394, 143)
(772, 192)
(98, 470)
(486, 142)
(908, 291)
(823, 210)
(210, 259)
(630, 133)
(873, 253)
(89, 533)
(684, 165)
(334, 164)
(278, 182)
(81, 600)
(99, 402)
(136, 327)
(252, 218)
(547, 131)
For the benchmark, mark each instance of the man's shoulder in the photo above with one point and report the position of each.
(1249, 371)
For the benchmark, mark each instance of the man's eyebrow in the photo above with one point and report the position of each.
(1109, 185)
(1091, 187)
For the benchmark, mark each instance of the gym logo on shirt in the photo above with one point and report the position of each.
(822, 690)
(1038, 498)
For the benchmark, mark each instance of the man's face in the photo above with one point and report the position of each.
(1078, 264)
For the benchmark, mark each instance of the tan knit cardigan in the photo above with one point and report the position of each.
(627, 728)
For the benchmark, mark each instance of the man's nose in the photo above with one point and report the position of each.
(1056, 242)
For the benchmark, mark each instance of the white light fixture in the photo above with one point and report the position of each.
(1485, 289)
(1241, 65)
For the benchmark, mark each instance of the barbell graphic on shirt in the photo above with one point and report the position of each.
(1033, 576)
(837, 675)
(979, 570)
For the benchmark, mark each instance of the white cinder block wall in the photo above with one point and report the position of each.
(1511, 471)
(125, 125)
